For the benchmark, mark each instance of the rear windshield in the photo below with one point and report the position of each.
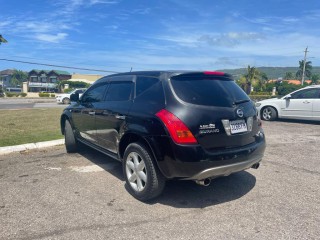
(217, 92)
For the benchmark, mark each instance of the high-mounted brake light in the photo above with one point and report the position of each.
(177, 129)
(214, 73)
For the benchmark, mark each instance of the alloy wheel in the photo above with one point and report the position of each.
(136, 171)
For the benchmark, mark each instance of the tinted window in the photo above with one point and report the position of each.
(308, 93)
(95, 93)
(119, 91)
(209, 92)
(143, 83)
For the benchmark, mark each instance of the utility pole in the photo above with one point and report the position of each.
(304, 65)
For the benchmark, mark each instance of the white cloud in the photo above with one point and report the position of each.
(51, 37)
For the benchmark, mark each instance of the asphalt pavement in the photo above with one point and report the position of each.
(49, 194)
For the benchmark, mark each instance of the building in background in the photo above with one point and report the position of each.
(46, 80)
(87, 78)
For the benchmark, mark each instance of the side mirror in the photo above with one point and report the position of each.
(288, 97)
(74, 97)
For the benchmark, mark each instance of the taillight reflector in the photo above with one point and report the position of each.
(213, 73)
(177, 129)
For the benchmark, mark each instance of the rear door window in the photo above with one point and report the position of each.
(217, 92)
(143, 83)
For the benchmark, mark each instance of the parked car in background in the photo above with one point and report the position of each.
(302, 104)
(167, 125)
(64, 98)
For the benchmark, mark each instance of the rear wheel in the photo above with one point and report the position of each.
(66, 101)
(269, 114)
(70, 140)
(143, 178)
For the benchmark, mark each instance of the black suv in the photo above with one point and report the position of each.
(167, 125)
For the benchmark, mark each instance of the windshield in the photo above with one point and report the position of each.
(208, 91)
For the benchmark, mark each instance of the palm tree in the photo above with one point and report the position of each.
(251, 75)
(260, 80)
(307, 71)
(2, 40)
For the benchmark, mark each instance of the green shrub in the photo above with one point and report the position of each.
(44, 94)
(11, 94)
(23, 94)
(67, 90)
(261, 93)
(52, 95)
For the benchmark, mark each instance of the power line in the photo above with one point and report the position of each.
(60, 66)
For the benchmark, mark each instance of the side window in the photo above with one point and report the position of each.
(95, 94)
(119, 91)
(308, 93)
(143, 83)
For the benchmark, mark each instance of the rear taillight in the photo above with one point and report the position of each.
(214, 73)
(177, 129)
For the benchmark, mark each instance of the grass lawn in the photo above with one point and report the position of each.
(29, 126)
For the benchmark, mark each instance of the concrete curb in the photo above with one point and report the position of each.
(30, 146)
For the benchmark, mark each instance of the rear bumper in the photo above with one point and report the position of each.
(224, 170)
(195, 163)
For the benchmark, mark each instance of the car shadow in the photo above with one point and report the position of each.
(188, 194)
(107, 163)
(184, 194)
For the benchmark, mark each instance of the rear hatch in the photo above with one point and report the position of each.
(215, 109)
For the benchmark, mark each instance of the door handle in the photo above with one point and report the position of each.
(120, 117)
(306, 102)
(92, 113)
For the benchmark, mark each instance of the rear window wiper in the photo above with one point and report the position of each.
(241, 101)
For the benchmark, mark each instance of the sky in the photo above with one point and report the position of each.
(124, 35)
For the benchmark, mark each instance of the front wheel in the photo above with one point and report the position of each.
(143, 178)
(66, 101)
(269, 114)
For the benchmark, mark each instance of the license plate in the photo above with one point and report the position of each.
(238, 126)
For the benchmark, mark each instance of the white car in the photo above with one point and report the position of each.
(302, 104)
(64, 98)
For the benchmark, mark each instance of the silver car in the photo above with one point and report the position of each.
(302, 104)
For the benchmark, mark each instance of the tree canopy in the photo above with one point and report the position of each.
(308, 69)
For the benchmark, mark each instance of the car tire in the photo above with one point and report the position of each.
(144, 181)
(70, 140)
(269, 113)
(66, 101)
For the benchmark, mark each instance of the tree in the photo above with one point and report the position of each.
(289, 75)
(315, 78)
(260, 81)
(253, 78)
(250, 76)
(307, 71)
(2, 40)
(18, 77)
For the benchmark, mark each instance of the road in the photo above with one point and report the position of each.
(50, 194)
(24, 103)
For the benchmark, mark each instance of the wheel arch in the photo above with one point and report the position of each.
(63, 119)
(135, 137)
